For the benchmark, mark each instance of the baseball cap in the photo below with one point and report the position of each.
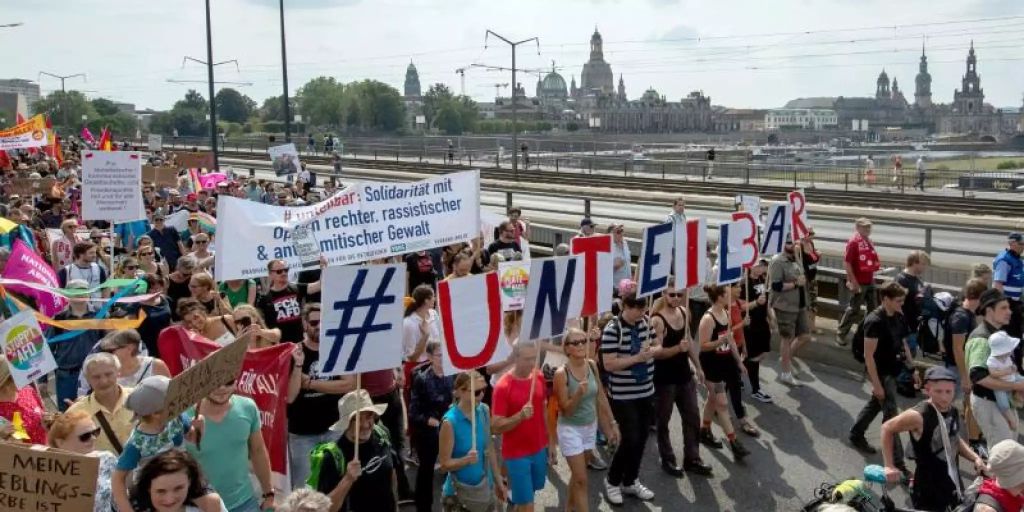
(352, 403)
(1006, 463)
(587, 221)
(1015, 237)
(939, 373)
(1001, 343)
(148, 396)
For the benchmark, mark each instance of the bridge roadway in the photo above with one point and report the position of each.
(949, 244)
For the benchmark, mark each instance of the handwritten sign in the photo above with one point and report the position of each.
(46, 480)
(195, 383)
(112, 186)
(32, 186)
(155, 142)
(161, 176)
(197, 160)
(27, 352)
(306, 246)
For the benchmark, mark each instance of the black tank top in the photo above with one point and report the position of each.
(718, 364)
(930, 455)
(675, 369)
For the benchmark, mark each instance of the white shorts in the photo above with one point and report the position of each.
(576, 439)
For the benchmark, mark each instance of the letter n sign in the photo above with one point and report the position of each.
(553, 296)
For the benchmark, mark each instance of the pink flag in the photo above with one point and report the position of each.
(211, 180)
(26, 265)
(87, 135)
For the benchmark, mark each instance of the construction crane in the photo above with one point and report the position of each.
(497, 88)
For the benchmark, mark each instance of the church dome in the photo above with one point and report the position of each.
(553, 84)
(883, 78)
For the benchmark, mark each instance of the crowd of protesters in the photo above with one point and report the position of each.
(602, 387)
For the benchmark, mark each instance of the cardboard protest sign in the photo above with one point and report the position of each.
(306, 246)
(737, 248)
(32, 186)
(553, 296)
(471, 323)
(799, 226)
(27, 352)
(365, 221)
(161, 176)
(195, 383)
(197, 160)
(284, 159)
(776, 229)
(750, 204)
(691, 253)
(155, 142)
(655, 265)
(112, 186)
(513, 276)
(361, 318)
(48, 480)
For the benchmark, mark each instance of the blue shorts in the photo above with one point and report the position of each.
(526, 476)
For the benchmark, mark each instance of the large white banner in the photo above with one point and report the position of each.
(366, 220)
(112, 186)
(361, 318)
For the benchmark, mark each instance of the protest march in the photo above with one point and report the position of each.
(275, 345)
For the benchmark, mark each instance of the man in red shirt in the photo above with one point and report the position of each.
(521, 423)
(861, 263)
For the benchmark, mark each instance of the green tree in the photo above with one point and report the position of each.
(193, 100)
(320, 101)
(469, 112)
(104, 107)
(435, 98)
(233, 106)
(272, 109)
(65, 110)
(449, 119)
(377, 106)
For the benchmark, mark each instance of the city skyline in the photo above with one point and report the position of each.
(762, 59)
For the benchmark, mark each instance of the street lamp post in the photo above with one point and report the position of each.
(284, 76)
(63, 91)
(515, 102)
(213, 101)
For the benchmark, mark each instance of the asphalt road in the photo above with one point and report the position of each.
(802, 444)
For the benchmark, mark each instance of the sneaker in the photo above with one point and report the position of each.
(406, 501)
(697, 466)
(596, 462)
(787, 379)
(639, 491)
(738, 450)
(708, 439)
(862, 445)
(613, 493)
(762, 397)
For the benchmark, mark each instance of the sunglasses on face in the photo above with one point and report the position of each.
(131, 267)
(145, 254)
(86, 436)
(279, 271)
(313, 323)
(674, 295)
(96, 238)
(201, 242)
(575, 343)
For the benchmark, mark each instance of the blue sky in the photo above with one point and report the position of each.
(741, 53)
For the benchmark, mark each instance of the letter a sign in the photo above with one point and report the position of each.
(553, 296)
(471, 322)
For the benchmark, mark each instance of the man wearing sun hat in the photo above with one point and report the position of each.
(366, 483)
(936, 477)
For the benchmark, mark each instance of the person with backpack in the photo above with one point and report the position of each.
(917, 293)
(883, 349)
(366, 483)
(1004, 491)
(959, 323)
(934, 426)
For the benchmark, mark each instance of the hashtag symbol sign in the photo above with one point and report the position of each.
(347, 307)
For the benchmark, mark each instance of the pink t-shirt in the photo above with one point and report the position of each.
(509, 396)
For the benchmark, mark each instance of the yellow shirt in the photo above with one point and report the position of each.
(120, 418)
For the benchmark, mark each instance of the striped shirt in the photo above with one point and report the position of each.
(636, 381)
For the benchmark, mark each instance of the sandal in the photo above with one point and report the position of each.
(749, 429)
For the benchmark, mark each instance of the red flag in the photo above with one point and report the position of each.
(54, 150)
(105, 143)
(49, 123)
(21, 118)
(5, 161)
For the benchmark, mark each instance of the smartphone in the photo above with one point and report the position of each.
(245, 322)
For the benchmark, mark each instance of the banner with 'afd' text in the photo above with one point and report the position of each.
(364, 221)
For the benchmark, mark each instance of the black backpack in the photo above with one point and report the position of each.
(934, 331)
(857, 345)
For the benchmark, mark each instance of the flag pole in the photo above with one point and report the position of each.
(472, 413)
(359, 385)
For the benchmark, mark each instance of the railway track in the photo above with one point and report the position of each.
(875, 199)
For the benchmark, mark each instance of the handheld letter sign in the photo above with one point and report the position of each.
(798, 213)
(553, 296)
(28, 355)
(46, 480)
(750, 248)
(655, 259)
(691, 254)
(598, 272)
(735, 249)
(471, 322)
(361, 319)
(215, 370)
(776, 229)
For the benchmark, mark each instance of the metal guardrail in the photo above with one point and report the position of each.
(691, 165)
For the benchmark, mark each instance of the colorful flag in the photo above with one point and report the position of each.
(105, 143)
(20, 118)
(87, 136)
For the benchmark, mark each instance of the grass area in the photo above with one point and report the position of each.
(980, 164)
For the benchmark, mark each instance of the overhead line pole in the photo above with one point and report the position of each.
(515, 102)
